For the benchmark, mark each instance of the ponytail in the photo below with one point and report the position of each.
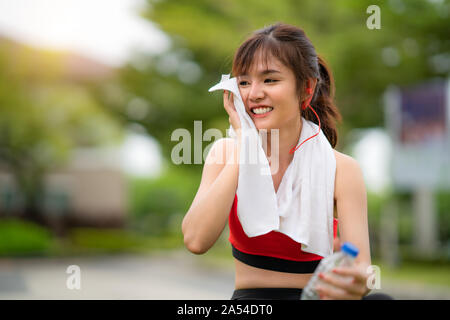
(323, 104)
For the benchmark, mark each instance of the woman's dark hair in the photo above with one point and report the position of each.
(291, 46)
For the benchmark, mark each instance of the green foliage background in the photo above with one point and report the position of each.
(44, 117)
(206, 33)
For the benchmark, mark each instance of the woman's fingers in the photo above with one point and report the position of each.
(231, 110)
(356, 272)
(228, 101)
(347, 285)
(354, 285)
(335, 293)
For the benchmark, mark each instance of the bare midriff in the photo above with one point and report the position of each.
(250, 277)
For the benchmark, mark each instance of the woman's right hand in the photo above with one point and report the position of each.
(231, 110)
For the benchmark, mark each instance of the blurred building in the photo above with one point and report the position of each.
(89, 191)
(418, 122)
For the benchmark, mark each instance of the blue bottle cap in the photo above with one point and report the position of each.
(350, 249)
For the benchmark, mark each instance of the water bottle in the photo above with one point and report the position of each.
(345, 258)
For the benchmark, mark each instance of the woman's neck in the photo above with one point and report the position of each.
(288, 137)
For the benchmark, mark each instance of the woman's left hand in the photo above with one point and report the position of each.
(337, 288)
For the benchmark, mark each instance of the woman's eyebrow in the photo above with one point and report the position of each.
(264, 72)
(269, 71)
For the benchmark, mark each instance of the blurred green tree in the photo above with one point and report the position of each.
(411, 45)
(43, 118)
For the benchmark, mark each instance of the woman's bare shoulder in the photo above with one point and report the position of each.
(348, 170)
(343, 158)
(215, 160)
(220, 150)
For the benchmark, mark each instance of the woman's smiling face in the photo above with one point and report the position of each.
(270, 94)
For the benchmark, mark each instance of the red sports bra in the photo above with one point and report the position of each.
(272, 244)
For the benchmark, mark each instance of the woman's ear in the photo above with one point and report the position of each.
(309, 88)
(311, 84)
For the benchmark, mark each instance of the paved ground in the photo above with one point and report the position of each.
(159, 276)
(175, 275)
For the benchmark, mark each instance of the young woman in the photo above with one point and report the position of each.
(281, 79)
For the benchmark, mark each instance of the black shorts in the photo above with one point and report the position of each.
(286, 294)
(267, 294)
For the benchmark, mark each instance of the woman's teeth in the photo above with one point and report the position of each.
(261, 110)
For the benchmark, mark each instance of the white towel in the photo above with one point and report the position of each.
(302, 207)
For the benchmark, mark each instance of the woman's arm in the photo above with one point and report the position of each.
(208, 214)
(351, 204)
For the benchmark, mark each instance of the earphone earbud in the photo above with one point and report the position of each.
(305, 105)
(308, 91)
